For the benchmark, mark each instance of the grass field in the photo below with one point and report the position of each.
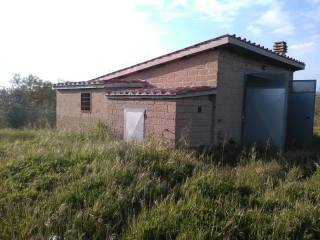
(88, 186)
(317, 112)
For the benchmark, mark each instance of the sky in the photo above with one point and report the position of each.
(77, 40)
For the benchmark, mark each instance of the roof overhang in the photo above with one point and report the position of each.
(161, 93)
(77, 86)
(166, 58)
(111, 84)
(224, 40)
(297, 65)
(187, 95)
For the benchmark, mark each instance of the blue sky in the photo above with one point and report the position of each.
(75, 40)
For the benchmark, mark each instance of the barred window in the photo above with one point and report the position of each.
(86, 102)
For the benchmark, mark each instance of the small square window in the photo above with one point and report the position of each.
(86, 102)
(199, 109)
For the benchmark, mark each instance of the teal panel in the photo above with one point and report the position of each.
(301, 107)
(264, 116)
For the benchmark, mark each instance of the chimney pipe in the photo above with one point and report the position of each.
(280, 47)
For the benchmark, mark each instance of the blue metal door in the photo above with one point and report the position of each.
(264, 116)
(301, 112)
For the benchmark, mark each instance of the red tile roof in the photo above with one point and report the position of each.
(94, 83)
(79, 84)
(226, 39)
(160, 91)
(115, 80)
(230, 40)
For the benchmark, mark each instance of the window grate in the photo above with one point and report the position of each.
(86, 102)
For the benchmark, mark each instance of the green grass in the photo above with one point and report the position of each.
(89, 186)
(317, 111)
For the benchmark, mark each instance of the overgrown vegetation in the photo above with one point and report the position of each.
(29, 102)
(56, 185)
(86, 185)
(317, 111)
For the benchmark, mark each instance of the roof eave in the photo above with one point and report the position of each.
(161, 96)
(197, 48)
(166, 58)
(69, 87)
(218, 42)
(267, 53)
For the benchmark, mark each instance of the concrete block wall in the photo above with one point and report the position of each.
(221, 68)
(232, 69)
(176, 122)
(69, 114)
(196, 70)
(195, 128)
(160, 118)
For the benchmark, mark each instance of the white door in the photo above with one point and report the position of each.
(134, 124)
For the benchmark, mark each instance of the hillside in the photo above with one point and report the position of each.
(88, 186)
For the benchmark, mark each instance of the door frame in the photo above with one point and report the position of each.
(314, 91)
(281, 77)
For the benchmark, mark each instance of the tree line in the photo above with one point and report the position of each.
(28, 102)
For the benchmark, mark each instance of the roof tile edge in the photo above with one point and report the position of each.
(221, 40)
(190, 50)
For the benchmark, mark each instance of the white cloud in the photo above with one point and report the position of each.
(275, 19)
(167, 11)
(73, 40)
(272, 15)
(254, 29)
(226, 11)
(278, 20)
(177, 3)
(313, 1)
(222, 12)
(305, 46)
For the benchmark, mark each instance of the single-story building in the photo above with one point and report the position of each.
(226, 88)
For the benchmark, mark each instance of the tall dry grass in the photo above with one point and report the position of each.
(86, 185)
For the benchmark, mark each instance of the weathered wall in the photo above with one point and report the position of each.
(221, 68)
(159, 118)
(196, 70)
(195, 128)
(175, 122)
(232, 69)
(69, 115)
